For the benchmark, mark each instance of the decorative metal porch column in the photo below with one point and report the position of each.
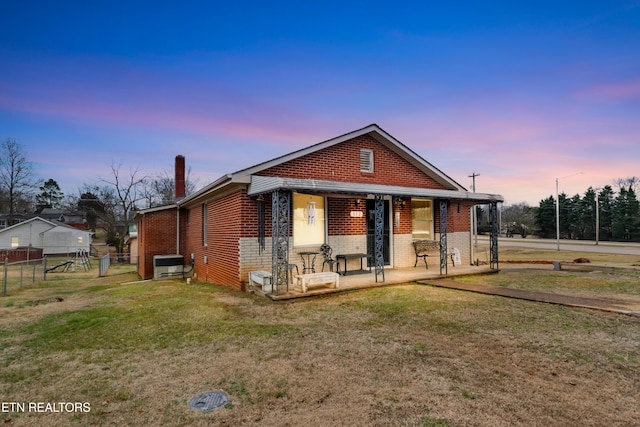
(493, 238)
(379, 236)
(443, 237)
(281, 206)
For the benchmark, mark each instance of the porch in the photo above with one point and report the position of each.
(366, 219)
(393, 276)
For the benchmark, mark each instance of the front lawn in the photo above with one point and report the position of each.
(411, 355)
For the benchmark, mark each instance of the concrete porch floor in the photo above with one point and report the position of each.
(392, 276)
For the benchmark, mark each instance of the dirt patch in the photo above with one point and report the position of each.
(44, 301)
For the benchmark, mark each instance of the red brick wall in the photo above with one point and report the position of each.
(225, 229)
(234, 216)
(229, 217)
(193, 239)
(458, 216)
(156, 236)
(406, 225)
(341, 162)
(250, 214)
(340, 223)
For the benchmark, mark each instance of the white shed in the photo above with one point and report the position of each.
(55, 238)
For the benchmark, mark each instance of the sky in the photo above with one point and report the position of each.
(523, 94)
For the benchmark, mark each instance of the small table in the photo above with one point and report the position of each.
(310, 264)
(346, 257)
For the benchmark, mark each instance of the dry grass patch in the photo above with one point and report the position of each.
(516, 254)
(403, 355)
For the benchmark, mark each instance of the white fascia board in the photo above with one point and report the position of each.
(263, 184)
(203, 192)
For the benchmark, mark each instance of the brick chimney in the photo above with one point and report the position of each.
(180, 178)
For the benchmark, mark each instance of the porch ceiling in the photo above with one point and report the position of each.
(265, 184)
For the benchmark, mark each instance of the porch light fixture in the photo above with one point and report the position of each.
(399, 202)
(357, 202)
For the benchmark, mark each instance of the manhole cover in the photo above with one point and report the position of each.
(208, 401)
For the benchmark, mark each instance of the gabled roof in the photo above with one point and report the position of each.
(35, 218)
(379, 135)
(248, 176)
(142, 212)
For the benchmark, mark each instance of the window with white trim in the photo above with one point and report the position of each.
(422, 219)
(308, 220)
(15, 241)
(366, 160)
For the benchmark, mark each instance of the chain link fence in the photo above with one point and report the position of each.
(20, 274)
(17, 275)
(118, 263)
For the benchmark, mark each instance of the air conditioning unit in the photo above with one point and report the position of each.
(165, 266)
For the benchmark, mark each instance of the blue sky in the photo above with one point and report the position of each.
(520, 93)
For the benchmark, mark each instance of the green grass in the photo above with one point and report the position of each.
(619, 282)
(144, 317)
(398, 355)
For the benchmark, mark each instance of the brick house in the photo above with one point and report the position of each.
(360, 192)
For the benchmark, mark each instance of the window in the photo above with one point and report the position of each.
(422, 219)
(205, 224)
(79, 240)
(308, 220)
(366, 160)
(15, 241)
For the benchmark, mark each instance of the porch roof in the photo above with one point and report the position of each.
(265, 184)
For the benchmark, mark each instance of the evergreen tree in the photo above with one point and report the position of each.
(575, 218)
(565, 213)
(634, 215)
(625, 215)
(545, 217)
(50, 195)
(618, 214)
(586, 218)
(605, 206)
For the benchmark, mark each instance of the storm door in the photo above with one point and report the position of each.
(386, 239)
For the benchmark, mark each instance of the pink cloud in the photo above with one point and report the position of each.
(614, 91)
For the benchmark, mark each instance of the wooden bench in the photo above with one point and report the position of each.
(304, 281)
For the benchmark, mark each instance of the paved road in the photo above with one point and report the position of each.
(567, 245)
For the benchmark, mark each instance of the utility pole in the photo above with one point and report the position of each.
(473, 213)
(597, 215)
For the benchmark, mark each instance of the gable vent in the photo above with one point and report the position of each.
(366, 160)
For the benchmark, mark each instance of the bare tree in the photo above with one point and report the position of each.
(631, 182)
(122, 194)
(16, 173)
(518, 219)
(161, 190)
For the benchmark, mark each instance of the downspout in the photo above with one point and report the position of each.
(177, 229)
(472, 248)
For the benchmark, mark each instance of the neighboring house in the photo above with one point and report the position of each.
(52, 214)
(75, 220)
(53, 237)
(5, 222)
(360, 192)
(132, 242)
